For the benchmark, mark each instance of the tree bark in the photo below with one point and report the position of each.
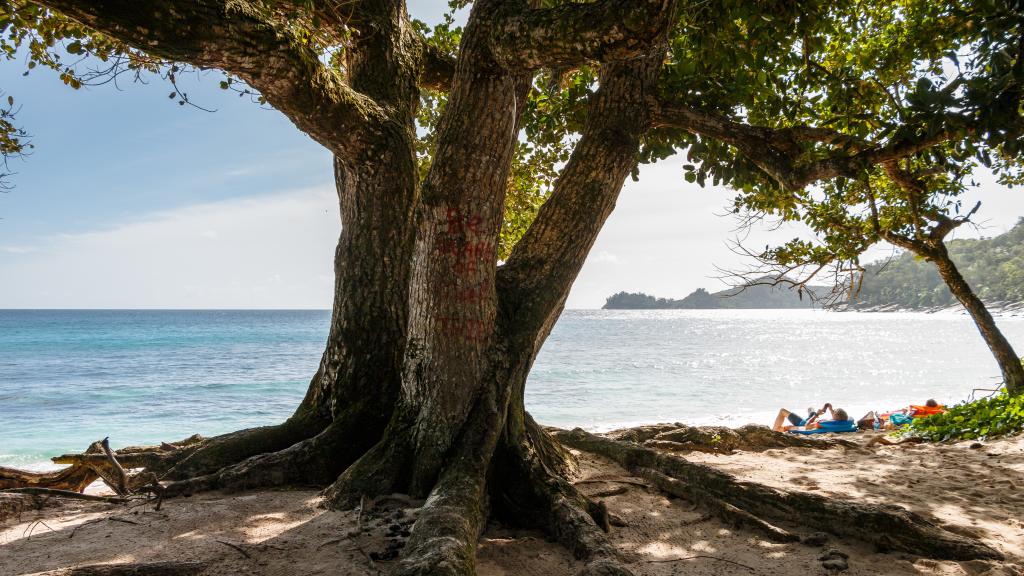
(1008, 360)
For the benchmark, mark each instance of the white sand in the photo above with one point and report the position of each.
(976, 492)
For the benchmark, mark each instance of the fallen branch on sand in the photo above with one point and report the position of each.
(236, 547)
(65, 494)
(759, 506)
(719, 439)
(98, 462)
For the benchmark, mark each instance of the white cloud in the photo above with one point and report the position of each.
(669, 237)
(18, 249)
(270, 251)
(603, 256)
(664, 238)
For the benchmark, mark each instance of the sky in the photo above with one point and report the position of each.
(131, 201)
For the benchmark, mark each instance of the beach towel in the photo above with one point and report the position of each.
(826, 426)
(899, 419)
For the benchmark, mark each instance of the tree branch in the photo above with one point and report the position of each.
(915, 187)
(569, 34)
(775, 150)
(230, 35)
(438, 69)
(535, 281)
(946, 224)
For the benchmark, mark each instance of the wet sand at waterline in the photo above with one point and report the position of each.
(976, 492)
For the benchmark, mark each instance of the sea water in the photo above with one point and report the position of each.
(68, 378)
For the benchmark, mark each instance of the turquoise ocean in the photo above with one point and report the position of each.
(68, 378)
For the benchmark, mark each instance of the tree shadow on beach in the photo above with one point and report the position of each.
(971, 492)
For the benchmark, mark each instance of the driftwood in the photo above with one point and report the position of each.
(99, 462)
(887, 527)
(74, 478)
(120, 480)
(64, 494)
(134, 569)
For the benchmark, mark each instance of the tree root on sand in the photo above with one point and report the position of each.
(719, 439)
(755, 505)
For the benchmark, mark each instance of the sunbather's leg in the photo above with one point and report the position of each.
(783, 414)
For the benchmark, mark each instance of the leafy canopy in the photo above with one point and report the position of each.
(869, 72)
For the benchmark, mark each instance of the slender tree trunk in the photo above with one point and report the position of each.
(1009, 361)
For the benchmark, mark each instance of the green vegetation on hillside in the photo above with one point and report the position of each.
(994, 267)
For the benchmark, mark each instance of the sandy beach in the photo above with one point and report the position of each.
(972, 491)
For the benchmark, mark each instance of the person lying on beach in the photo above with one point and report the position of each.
(796, 421)
(898, 418)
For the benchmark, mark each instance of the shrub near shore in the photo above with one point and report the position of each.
(1001, 415)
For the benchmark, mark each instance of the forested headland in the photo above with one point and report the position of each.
(757, 296)
(994, 267)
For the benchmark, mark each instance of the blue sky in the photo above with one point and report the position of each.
(130, 200)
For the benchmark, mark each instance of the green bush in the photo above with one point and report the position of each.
(1000, 415)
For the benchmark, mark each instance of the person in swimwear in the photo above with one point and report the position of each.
(795, 421)
(904, 415)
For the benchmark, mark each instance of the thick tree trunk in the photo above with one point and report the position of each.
(1009, 361)
(352, 394)
(351, 397)
(451, 341)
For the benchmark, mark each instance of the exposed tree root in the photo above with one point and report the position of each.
(444, 537)
(725, 511)
(383, 469)
(139, 569)
(314, 461)
(534, 491)
(582, 533)
(215, 453)
(719, 439)
(65, 494)
(74, 478)
(887, 527)
(443, 540)
(196, 456)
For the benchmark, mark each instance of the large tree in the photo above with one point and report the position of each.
(475, 167)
